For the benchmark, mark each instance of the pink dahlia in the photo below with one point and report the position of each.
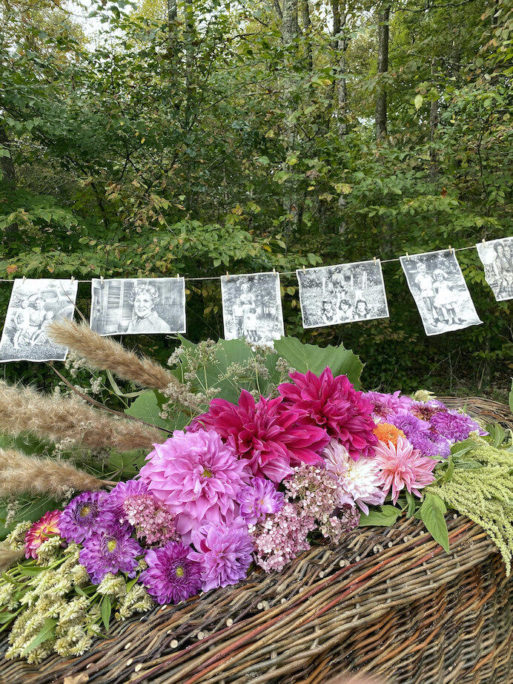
(40, 531)
(224, 551)
(272, 436)
(335, 405)
(383, 405)
(403, 466)
(259, 499)
(196, 477)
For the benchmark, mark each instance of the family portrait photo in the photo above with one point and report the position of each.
(497, 259)
(33, 305)
(342, 294)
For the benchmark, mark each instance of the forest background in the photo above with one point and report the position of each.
(199, 137)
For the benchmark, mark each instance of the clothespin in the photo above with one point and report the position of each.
(451, 249)
(227, 276)
(72, 279)
(304, 267)
(24, 278)
(374, 259)
(274, 271)
(102, 282)
(407, 255)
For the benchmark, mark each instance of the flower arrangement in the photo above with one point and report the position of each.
(246, 483)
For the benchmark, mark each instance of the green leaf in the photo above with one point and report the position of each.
(432, 514)
(386, 516)
(412, 502)
(305, 357)
(46, 632)
(147, 407)
(418, 101)
(106, 611)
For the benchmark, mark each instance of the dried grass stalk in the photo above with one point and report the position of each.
(22, 474)
(106, 354)
(9, 557)
(70, 420)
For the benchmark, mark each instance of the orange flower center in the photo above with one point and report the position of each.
(386, 432)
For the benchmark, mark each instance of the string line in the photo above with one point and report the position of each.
(282, 273)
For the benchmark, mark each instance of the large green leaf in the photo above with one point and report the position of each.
(432, 513)
(148, 407)
(385, 516)
(305, 357)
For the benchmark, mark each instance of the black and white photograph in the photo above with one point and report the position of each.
(252, 308)
(497, 258)
(138, 306)
(440, 291)
(344, 293)
(33, 305)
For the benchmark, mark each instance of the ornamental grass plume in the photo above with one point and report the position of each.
(104, 353)
(22, 409)
(21, 474)
(9, 557)
(485, 494)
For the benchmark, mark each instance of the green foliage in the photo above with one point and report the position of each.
(432, 514)
(210, 144)
(385, 516)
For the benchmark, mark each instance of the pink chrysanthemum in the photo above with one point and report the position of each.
(358, 482)
(196, 477)
(225, 552)
(171, 576)
(403, 466)
(335, 405)
(40, 531)
(383, 405)
(273, 437)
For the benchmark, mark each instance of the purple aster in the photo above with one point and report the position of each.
(225, 552)
(123, 491)
(84, 515)
(258, 499)
(425, 410)
(110, 550)
(455, 426)
(172, 575)
(421, 435)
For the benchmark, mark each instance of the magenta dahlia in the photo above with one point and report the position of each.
(196, 477)
(41, 531)
(334, 405)
(271, 435)
(224, 551)
(171, 576)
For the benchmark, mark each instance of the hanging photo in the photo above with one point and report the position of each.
(497, 258)
(137, 306)
(252, 308)
(440, 291)
(33, 305)
(342, 294)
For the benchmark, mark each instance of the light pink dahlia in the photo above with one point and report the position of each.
(334, 405)
(403, 466)
(196, 477)
(272, 436)
(358, 482)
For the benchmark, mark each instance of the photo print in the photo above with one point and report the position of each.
(138, 306)
(497, 258)
(440, 291)
(345, 293)
(33, 305)
(252, 308)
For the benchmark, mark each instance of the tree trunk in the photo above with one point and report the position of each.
(381, 95)
(289, 33)
(340, 45)
(307, 24)
(6, 163)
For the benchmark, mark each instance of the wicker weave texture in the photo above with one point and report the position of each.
(388, 601)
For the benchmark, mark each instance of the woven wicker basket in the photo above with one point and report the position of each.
(388, 601)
